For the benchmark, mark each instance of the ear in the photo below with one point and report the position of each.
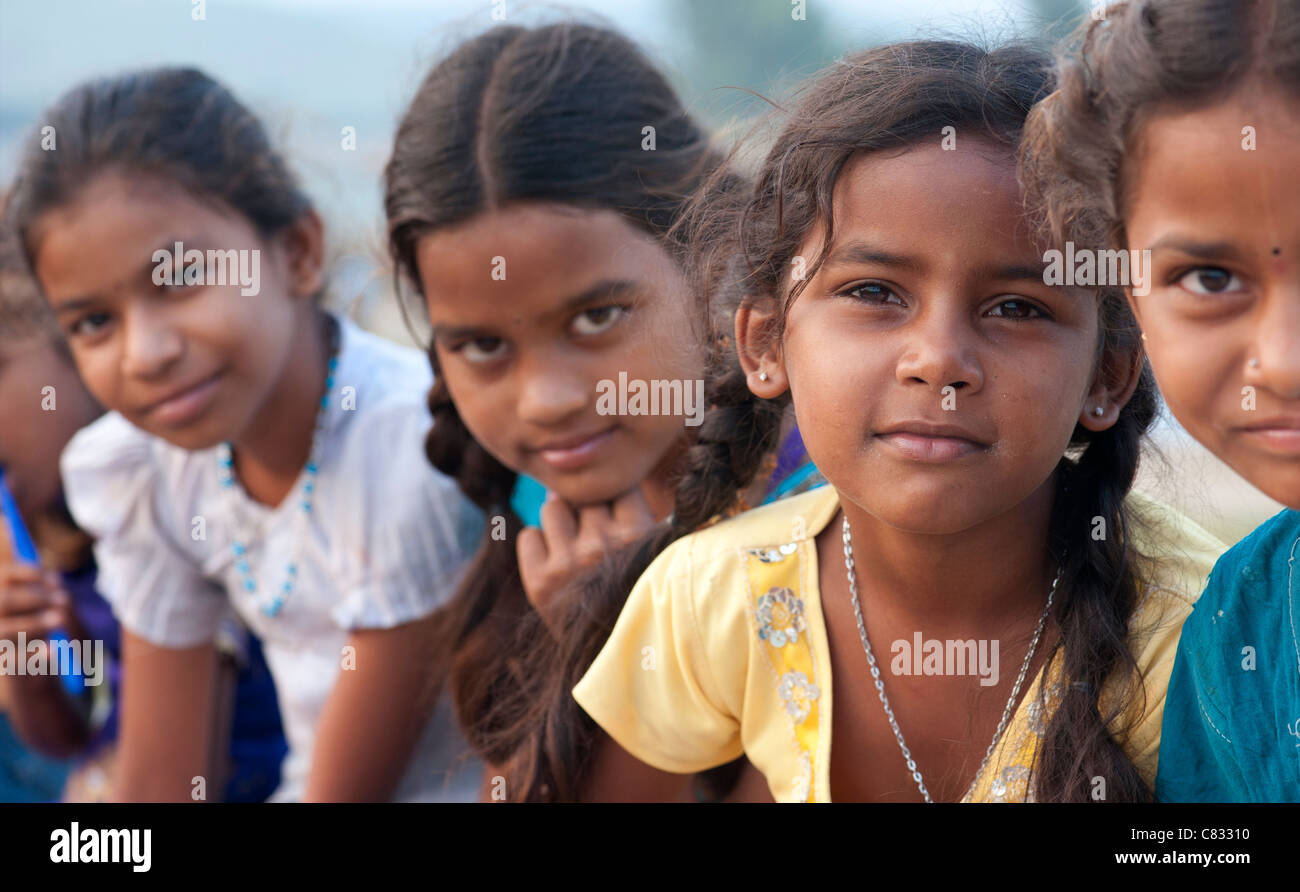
(759, 348)
(1117, 377)
(304, 245)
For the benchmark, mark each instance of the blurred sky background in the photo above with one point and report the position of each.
(311, 67)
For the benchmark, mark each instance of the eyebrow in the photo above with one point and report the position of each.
(1193, 248)
(79, 303)
(862, 253)
(604, 290)
(1016, 272)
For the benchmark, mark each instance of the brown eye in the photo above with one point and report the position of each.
(89, 324)
(1210, 280)
(1016, 309)
(873, 293)
(482, 349)
(597, 319)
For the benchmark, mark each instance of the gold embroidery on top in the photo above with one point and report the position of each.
(776, 610)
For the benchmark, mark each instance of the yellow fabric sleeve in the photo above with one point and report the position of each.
(1179, 555)
(651, 687)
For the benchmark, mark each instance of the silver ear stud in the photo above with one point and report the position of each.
(1099, 411)
(762, 376)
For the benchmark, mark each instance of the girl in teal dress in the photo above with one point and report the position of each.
(1202, 191)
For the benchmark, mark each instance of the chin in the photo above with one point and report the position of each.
(1283, 485)
(589, 487)
(194, 438)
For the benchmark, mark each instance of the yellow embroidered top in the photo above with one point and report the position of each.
(721, 650)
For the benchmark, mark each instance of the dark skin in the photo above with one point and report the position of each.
(587, 296)
(32, 599)
(257, 364)
(1223, 311)
(944, 290)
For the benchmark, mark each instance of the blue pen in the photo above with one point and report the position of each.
(25, 551)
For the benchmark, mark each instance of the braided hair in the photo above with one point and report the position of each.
(1075, 161)
(890, 98)
(552, 113)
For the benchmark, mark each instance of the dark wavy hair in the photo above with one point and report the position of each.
(1146, 56)
(889, 98)
(176, 124)
(552, 113)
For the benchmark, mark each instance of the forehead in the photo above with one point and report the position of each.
(925, 198)
(546, 253)
(112, 227)
(1235, 159)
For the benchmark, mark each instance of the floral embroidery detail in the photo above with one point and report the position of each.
(780, 617)
(803, 782)
(1014, 774)
(1034, 718)
(775, 555)
(798, 693)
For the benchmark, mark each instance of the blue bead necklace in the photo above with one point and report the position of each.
(226, 475)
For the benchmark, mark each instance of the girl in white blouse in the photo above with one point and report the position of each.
(261, 452)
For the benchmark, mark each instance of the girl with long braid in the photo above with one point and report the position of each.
(1175, 132)
(980, 430)
(535, 183)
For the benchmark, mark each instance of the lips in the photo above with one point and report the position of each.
(183, 404)
(1279, 434)
(926, 441)
(574, 452)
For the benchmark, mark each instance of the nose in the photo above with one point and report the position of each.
(940, 352)
(152, 345)
(1276, 358)
(552, 388)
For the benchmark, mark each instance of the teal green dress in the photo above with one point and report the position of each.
(1231, 729)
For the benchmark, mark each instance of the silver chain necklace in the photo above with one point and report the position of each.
(880, 685)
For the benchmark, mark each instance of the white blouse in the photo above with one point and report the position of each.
(386, 543)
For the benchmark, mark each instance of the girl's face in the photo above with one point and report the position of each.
(936, 379)
(189, 363)
(1219, 210)
(533, 306)
(42, 404)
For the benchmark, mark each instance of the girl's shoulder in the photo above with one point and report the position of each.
(110, 462)
(110, 465)
(1265, 553)
(109, 441)
(1254, 585)
(720, 555)
(725, 618)
(378, 414)
(709, 586)
(378, 369)
(767, 532)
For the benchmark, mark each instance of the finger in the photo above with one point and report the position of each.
(530, 548)
(32, 625)
(559, 526)
(595, 533)
(14, 574)
(26, 598)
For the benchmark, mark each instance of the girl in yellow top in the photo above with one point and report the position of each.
(991, 614)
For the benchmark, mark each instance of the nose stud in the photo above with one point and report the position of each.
(1253, 362)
